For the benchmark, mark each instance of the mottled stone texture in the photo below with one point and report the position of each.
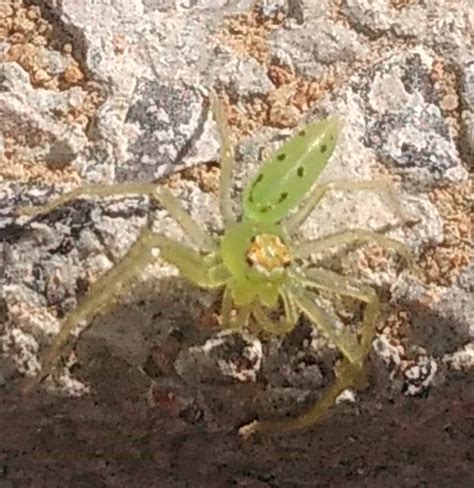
(153, 393)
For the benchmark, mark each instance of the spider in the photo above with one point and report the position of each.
(256, 259)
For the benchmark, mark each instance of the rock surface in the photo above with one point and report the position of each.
(153, 392)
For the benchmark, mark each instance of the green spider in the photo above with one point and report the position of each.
(255, 259)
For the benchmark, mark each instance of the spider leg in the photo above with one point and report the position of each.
(226, 309)
(327, 323)
(383, 187)
(356, 236)
(227, 162)
(138, 256)
(204, 270)
(280, 327)
(98, 190)
(355, 352)
(192, 229)
(325, 279)
(201, 239)
(241, 318)
(199, 269)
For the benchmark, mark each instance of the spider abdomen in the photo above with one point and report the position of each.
(290, 172)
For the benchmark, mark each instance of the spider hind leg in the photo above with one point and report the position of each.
(351, 371)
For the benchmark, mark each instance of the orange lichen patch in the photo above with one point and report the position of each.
(248, 34)
(336, 13)
(248, 117)
(206, 176)
(396, 325)
(375, 258)
(442, 264)
(27, 171)
(31, 39)
(83, 113)
(288, 102)
(280, 75)
(445, 82)
(72, 75)
(15, 165)
(282, 108)
(401, 4)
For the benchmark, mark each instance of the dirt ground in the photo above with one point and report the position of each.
(50, 442)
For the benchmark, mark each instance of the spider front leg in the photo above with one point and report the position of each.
(350, 237)
(100, 293)
(200, 270)
(354, 351)
(383, 187)
(97, 190)
(242, 316)
(226, 162)
(192, 229)
(280, 327)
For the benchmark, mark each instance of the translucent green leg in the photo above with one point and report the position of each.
(243, 312)
(281, 327)
(201, 239)
(192, 229)
(327, 323)
(97, 190)
(354, 351)
(227, 162)
(328, 280)
(349, 237)
(204, 271)
(200, 270)
(383, 187)
(100, 293)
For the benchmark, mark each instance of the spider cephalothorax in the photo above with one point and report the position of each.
(254, 259)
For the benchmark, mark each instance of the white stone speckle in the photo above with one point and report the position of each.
(462, 360)
(419, 376)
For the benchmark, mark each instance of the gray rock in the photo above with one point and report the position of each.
(160, 5)
(240, 77)
(226, 357)
(270, 8)
(405, 125)
(372, 17)
(313, 46)
(466, 279)
(28, 115)
(305, 11)
(467, 86)
(447, 325)
(166, 120)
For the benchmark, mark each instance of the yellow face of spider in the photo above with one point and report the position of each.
(268, 254)
(257, 257)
